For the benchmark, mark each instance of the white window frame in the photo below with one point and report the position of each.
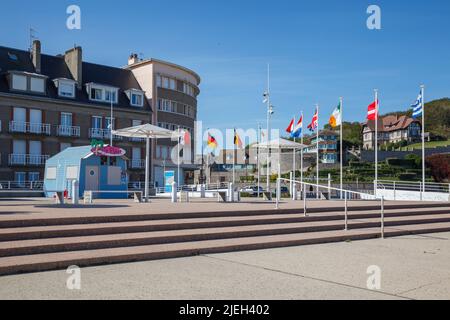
(37, 85)
(64, 84)
(104, 90)
(19, 82)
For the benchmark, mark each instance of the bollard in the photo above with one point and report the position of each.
(174, 192)
(75, 192)
(202, 191)
(231, 192)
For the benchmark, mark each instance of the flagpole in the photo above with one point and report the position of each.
(376, 142)
(301, 159)
(268, 129)
(257, 157)
(178, 159)
(423, 141)
(234, 158)
(317, 169)
(342, 141)
(295, 141)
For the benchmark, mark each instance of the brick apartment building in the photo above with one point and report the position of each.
(49, 103)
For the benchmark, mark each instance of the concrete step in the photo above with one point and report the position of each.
(62, 260)
(107, 217)
(58, 231)
(29, 247)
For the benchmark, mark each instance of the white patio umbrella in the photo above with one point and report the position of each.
(147, 132)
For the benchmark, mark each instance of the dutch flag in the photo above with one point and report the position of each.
(418, 107)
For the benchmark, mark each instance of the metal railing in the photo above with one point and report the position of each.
(348, 195)
(102, 134)
(21, 185)
(68, 131)
(27, 159)
(414, 186)
(137, 164)
(28, 127)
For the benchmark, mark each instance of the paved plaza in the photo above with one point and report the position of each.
(412, 267)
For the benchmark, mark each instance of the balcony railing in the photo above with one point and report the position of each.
(68, 131)
(27, 159)
(27, 127)
(137, 164)
(102, 134)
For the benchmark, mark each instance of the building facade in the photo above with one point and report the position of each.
(49, 103)
(172, 90)
(391, 129)
(328, 147)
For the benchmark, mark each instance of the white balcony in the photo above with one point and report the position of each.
(27, 127)
(102, 134)
(27, 159)
(137, 164)
(68, 131)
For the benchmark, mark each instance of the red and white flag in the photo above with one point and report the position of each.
(290, 129)
(315, 122)
(372, 111)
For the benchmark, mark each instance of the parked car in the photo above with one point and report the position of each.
(253, 190)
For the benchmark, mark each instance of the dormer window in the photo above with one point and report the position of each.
(66, 87)
(102, 93)
(25, 81)
(136, 97)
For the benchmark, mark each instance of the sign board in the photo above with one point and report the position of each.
(169, 178)
(108, 151)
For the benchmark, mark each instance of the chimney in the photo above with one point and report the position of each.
(36, 55)
(133, 59)
(74, 61)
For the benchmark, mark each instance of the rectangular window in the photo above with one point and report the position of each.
(66, 90)
(66, 119)
(111, 95)
(137, 100)
(50, 174)
(172, 84)
(96, 94)
(165, 82)
(37, 85)
(19, 82)
(97, 122)
(158, 81)
(20, 178)
(109, 124)
(33, 176)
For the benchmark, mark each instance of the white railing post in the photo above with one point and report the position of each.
(278, 193)
(329, 186)
(304, 200)
(395, 191)
(382, 217)
(346, 210)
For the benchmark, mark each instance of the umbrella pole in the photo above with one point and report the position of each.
(147, 168)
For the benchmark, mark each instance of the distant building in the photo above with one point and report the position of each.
(391, 129)
(328, 147)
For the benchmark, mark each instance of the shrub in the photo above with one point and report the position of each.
(440, 167)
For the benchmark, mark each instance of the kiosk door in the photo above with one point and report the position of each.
(92, 177)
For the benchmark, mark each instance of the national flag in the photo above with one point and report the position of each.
(237, 140)
(290, 128)
(418, 107)
(298, 129)
(336, 117)
(212, 142)
(372, 112)
(314, 123)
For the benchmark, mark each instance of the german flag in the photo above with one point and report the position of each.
(237, 140)
(212, 142)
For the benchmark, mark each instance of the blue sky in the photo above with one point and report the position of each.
(318, 50)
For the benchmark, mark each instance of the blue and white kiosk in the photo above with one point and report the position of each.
(98, 169)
